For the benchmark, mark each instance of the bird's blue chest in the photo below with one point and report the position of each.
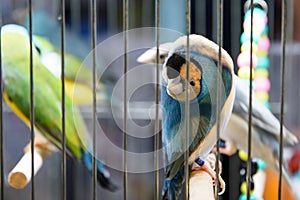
(173, 117)
(171, 114)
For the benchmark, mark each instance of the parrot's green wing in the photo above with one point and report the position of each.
(47, 94)
(78, 77)
(73, 65)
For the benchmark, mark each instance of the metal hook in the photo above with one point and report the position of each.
(260, 3)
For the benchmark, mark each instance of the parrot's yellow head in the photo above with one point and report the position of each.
(15, 42)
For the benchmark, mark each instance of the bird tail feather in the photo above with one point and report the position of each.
(173, 187)
(103, 175)
(290, 138)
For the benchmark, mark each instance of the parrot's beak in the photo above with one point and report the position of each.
(174, 86)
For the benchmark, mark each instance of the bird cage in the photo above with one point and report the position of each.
(122, 108)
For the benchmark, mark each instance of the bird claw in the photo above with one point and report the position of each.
(205, 167)
(222, 185)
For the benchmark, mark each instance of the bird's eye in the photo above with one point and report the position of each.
(38, 49)
(162, 56)
(192, 83)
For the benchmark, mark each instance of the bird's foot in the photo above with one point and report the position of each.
(202, 165)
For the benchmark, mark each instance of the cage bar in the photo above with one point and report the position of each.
(187, 105)
(125, 30)
(94, 41)
(248, 174)
(219, 91)
(282, 97)
(157, 127)
(63, 121)
(31, 91)
(1, 119)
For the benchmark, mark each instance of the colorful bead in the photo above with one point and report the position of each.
(261, 165)
(262, 96)
(244, 197)
(264, 43)
(258, 24)
(266, 104)
(262, 62)
(244, 73)
(246, 47)
(261, 73)
(246, 37)
(262, 84)
(261, 53)
(243, 188)
(243, 155)
(244, 59)
(266, 30)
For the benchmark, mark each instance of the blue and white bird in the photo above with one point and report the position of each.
(202, 99)
(265, 126)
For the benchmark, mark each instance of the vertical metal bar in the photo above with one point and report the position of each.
(248, 175)
(125, 29)
(187, 104)
(1, 119)
(31, 77)
(156, 136)
(219, 91)
(94, 40)
(283, 54)
(64, 159)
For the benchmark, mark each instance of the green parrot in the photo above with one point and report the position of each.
(78, 78)
(47, 100)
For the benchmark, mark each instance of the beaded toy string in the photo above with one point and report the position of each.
(261, 84)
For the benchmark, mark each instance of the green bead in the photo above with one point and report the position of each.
(261, 165)
(262, 62)
(244, 197)
(266, 30)
(246, 37)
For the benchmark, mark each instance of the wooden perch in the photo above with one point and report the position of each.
(201, 186)
(201, 183)
(20, 175)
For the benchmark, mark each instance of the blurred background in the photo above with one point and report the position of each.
(109, 23)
